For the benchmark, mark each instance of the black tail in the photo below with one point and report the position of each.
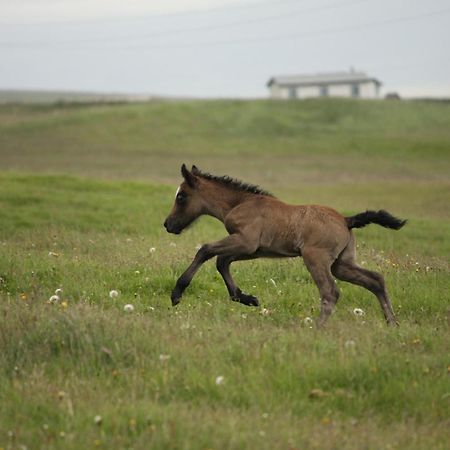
(380, 217)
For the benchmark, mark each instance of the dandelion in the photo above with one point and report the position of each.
(64, 304)
(137, 272)
(23, 296)
(163, 357)
(244, 316)
(219, 380)
(307, 321)
(113, 294)
(54, 299)
(128, 308)
(358, 312)
(350, 344)
(152, 250)
(98, 420)
(265, 415)
(265, 312)
(59, 292)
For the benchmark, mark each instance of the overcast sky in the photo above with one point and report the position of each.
(221, 48)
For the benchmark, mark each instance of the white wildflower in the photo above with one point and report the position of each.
(273, 282)
(98, 419)
(54, 299)
(265, 312)
(128, 308)
(152, 250)
(113, 294)
(172, 244)
(58, 292)
(219, 380)
(358, 312)
(307, 321)
(350, 344)
(163, 357)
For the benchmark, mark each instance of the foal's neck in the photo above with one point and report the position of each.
(219, 201)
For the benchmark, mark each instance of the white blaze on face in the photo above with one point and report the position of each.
(178, 190)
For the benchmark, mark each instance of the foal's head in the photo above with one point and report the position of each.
(188, 203)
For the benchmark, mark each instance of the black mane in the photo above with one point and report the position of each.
(233, 183)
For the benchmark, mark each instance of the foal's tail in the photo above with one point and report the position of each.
(380, 217)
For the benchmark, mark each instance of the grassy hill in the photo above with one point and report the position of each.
(84, 190)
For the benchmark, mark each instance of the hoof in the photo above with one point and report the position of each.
(175, 297)
(249, 300)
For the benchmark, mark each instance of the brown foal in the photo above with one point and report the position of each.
(260, 225)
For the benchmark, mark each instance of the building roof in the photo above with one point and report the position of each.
(322, 79)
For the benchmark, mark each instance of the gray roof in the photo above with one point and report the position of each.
(322, 78)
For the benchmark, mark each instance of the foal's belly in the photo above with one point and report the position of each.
(278, 253)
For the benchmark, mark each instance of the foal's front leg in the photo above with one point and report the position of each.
(223, 266)
(231, 245)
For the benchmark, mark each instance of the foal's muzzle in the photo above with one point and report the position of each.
(170, 228)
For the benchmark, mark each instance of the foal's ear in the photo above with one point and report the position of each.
(195, 170)
(188, 176)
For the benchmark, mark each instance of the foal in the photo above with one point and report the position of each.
(260, 225)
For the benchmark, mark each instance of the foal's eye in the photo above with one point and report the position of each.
(181, 198)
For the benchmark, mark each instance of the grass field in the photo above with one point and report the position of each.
(84, 190)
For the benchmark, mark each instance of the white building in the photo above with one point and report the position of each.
(337, 84)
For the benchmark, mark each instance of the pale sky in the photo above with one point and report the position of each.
(221, 48)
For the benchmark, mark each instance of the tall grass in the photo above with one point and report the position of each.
(83, 373)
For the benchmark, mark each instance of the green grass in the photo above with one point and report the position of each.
(84, 221)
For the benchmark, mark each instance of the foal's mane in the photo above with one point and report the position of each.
(232, 183)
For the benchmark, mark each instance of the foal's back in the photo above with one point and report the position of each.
(284, 229)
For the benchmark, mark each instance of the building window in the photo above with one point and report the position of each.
(355, 90)
(292, 92)
(324, 91)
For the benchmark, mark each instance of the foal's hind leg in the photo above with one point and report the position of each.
(318, 263)
(373, 281)
(223, 266)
